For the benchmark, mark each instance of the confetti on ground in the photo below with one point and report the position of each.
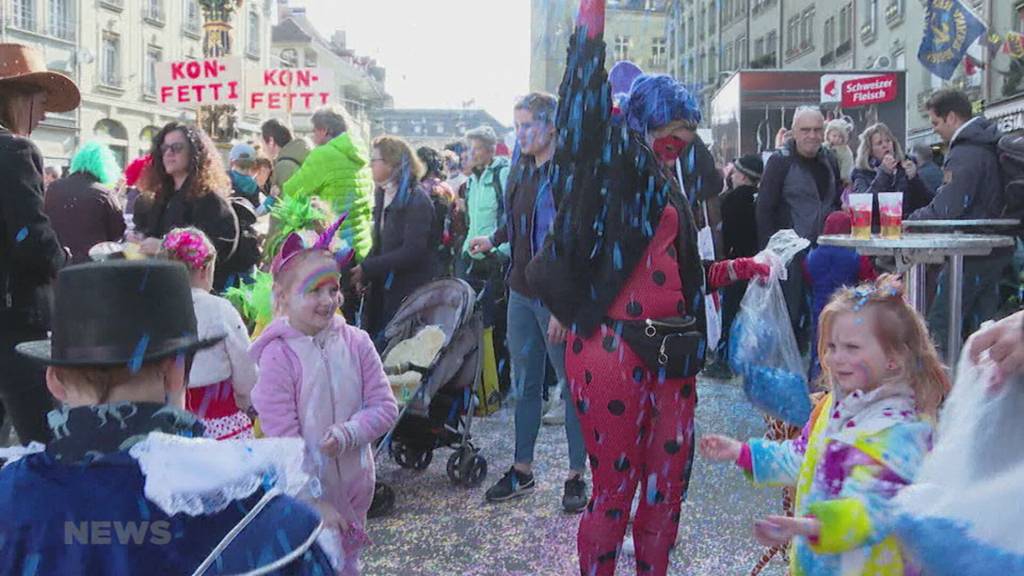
(440, 529)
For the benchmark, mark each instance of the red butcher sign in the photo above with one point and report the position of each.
(869, 90)
(193, 83)
(288, 89)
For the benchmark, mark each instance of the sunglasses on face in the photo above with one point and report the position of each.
(175, 148)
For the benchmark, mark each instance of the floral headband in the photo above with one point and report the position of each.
(189, 247)
(294, 244)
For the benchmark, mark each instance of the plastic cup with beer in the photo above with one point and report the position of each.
(890, 210)
(860, 208)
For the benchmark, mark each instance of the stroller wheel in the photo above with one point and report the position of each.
(421, 459)
(466, 468)
(408, 457)
(383, 501)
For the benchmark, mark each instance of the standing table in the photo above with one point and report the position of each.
(913, 251)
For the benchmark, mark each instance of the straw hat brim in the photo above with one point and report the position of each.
(62, 94)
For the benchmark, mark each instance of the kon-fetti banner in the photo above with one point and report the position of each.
(194, 83)
(288, 89)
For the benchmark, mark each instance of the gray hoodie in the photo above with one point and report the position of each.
(972, 187)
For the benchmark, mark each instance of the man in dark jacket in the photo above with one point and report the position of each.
(123, 487)
(972, 189)
(739, 237)
(929, 172)
(84, 213)
(799, 189)
(30, 252)
(534, 335)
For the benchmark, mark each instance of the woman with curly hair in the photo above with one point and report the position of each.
(82, 208)
(186, 185)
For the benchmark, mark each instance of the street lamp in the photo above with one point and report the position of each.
(218, 120)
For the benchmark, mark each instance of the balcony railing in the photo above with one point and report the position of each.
(827, 58)
(894, 13)
(154, 14)
(867, 32)
(843, 48)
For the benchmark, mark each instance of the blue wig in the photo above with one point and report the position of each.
(97, 159)
(655, 101)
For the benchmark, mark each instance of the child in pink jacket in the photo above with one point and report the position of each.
(322, 380)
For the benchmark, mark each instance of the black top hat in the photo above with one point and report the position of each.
(751, 165)
(120, 312)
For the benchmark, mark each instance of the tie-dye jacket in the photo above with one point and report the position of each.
(848, 463)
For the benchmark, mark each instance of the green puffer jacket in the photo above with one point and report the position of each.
(338, 173)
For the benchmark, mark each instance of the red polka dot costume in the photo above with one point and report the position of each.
(638, 429)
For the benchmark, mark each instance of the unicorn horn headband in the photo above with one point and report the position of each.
(294, 245)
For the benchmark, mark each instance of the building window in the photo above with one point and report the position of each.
(659, 51)
(311, 58)
(771, 45)
(741, 8)
(23, 14)
(727, 58)
(153, 55)
(154, 11)
(758, 48)
(727, 11)
(712, 16)
(807, 29)
(110, 65)
(703, 19)
(253, 45)
(193, 20)
(830, 34)
(713, 66)
(742, 59)
(792, 35)
(870, 18)
(622, 47)
(60, 20)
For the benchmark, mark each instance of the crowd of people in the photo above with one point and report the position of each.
(609, 254)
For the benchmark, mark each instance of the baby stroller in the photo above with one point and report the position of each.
(433, 360)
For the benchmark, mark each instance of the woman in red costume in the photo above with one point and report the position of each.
(623, 253)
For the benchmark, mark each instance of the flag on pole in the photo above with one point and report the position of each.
(950, 29)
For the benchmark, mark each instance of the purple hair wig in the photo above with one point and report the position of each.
(655, 101)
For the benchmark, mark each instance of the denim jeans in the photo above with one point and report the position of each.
(530, 351)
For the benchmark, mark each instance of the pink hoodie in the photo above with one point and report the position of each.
(308, 383)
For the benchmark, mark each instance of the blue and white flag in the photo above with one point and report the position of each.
(949, 30)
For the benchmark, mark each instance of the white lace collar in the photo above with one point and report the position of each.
(200, 476)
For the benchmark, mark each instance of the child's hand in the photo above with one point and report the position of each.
(330, 446)
(337, 439)
(329, 515)
(720, 448)
(779, 530)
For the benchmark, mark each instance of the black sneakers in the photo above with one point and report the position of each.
(574, 497)
(512, 485)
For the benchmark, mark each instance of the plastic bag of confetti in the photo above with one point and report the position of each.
(964, 514)
(762, 347)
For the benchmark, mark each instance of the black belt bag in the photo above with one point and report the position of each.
(670, 344)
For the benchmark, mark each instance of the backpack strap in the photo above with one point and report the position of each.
(499, 194)
(238, 230)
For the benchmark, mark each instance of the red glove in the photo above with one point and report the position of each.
(729, 271)
(591, 17)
